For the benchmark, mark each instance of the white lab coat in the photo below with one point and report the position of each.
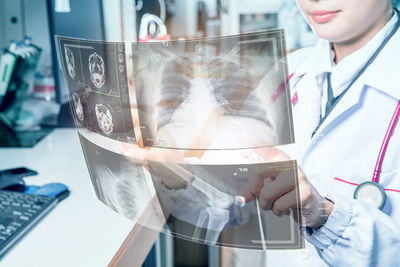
(346, 146)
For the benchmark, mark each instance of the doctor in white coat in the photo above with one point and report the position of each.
(346, 105)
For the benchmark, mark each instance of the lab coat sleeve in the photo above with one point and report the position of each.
(357, 234)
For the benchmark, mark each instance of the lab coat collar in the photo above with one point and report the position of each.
(347, 69)
(384, 73)
(318, 62)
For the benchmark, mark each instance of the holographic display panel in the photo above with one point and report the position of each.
(97, 81)
(190, 92)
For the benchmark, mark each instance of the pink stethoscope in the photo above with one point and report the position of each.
(369, 191)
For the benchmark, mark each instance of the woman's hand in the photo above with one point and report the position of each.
(277, 189)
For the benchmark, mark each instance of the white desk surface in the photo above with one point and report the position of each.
(80, 231)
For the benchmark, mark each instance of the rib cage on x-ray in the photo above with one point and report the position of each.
(115, 193)
(191, 92)
(118, 182)
(234, 89)
(175, 87)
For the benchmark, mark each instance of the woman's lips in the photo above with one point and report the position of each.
(323, 16)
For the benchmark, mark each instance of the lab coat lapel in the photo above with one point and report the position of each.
(372, 77)
(307, 109)
(341, 112)
(309, 98)
(388, 62)
(349, 100)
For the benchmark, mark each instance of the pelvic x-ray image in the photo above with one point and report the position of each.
(205, 200)
(189, 92)
(118, 182)
(97, 81)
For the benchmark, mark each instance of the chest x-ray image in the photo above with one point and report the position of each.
(204, 199)
(189, 92)
(117, 181)
(98, 85)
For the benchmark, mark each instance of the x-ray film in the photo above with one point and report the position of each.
(191, 93)
(201, 107)
(97, 80)
(118, 182)
(201, 203)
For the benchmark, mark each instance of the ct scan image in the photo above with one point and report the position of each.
(98, 85)
(118, 181)
(201, 203)
(190, 93)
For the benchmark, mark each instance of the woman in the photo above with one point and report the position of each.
(346, 94)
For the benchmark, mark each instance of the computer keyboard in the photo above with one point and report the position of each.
(18, 213)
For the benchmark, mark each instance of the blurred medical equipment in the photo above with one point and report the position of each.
(298, 32)
(19, 108)
(370, 192)
(244, 16)
(152, 28)
(17, 66)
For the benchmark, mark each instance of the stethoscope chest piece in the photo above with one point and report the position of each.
(372, 193)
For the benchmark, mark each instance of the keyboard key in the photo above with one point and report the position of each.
(24, 218)
(17, 213)
(16, 224)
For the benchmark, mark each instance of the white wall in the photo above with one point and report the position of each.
(32, 21)
(11, 31)
(37, 26)
(2, 27)
(119, 25)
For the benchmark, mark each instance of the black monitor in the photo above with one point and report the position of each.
(84, 20)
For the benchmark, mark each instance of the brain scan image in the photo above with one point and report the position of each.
(78, 107)
(104, 118)
(69, 55)
(96, 77)
(97, 69)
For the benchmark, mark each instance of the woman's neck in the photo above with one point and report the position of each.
(345, 48)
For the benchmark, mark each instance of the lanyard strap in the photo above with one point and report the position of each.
(386, 139)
